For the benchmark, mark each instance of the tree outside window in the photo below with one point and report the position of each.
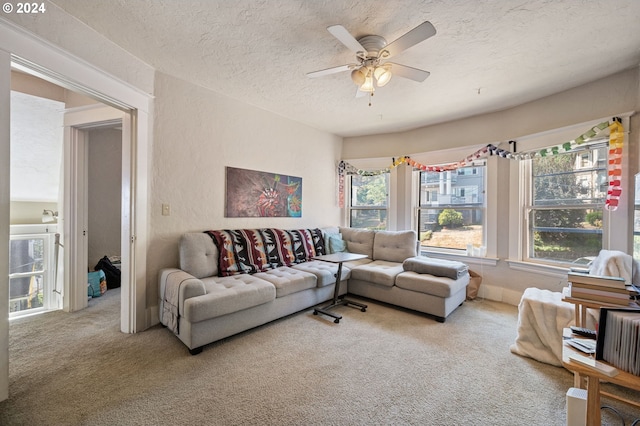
(567, 201)
(369, 201)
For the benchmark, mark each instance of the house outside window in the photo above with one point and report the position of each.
(566, 198)
(451, 208)
(369, 201)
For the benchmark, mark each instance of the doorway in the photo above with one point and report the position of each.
(18, 46)
(45, 186)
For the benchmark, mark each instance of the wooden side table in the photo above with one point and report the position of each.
(581, 306)
(594, 377)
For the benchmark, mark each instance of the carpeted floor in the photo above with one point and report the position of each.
(386, 366)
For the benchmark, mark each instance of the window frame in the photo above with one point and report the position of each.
(484, 209)
(351, 208)
(527, 206)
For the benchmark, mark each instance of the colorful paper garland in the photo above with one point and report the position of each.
(616, 138)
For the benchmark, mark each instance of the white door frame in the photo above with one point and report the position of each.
(5, 167)
(57, 66)
(77, 122)
(74, 219)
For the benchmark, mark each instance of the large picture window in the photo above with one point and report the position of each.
(566, 205)
(451, 208)
(369, 201)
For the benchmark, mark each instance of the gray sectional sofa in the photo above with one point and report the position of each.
(216, 293)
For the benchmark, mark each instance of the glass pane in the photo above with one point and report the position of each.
(26, 293)
(570, 179)
(464, 186)
(369, 190)
(452, 206)
(369, 218)
(565, 235)
(26, 255)
(451, 228)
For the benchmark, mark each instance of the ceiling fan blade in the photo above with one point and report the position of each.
(411, 73)
(334, 70)
(413, 37)
(341, 33)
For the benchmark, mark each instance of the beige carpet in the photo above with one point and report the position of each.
(384, 367)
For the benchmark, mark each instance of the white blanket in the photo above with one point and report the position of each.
(541, 317)
(612, 263)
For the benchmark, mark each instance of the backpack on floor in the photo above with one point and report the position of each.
(112, 273)
(97, 284)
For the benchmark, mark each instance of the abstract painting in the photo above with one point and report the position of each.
(252, 193)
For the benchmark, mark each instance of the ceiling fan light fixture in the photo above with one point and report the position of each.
(358, 76)
(367, 86)
(382, 74)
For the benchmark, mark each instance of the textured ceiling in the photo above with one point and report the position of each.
(487, 55)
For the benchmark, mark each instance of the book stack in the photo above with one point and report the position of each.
(609, 290)
(619, 338)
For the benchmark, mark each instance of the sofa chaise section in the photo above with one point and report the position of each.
(386, 278)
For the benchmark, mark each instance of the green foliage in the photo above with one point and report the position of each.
(426, 235)
(450, 218)
(594, 218)
(372, 190)
(555, 180)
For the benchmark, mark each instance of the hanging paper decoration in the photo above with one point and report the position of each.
(616, 138)
(341, 168)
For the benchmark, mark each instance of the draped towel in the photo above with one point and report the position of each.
(171, 299)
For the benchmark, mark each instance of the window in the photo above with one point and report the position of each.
(566, 204)
(369, 201)
(32, 272)
(451, 208)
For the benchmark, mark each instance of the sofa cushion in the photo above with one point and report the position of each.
(288, 280)
(378, 272)
(325, 272)
(438, 267)
(228, 294)
(359, 240)
(241, 251)
(337, 244)
(437, 286)
(198, 255)
(394, 246)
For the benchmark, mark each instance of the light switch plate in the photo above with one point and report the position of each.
(166, 210)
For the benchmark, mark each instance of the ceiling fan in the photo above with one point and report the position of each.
(371, 69)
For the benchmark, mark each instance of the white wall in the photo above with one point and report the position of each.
(198, 133)
(104, 193)
(604, 98)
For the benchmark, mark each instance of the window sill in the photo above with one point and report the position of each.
(537, 268)
(460, 257)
